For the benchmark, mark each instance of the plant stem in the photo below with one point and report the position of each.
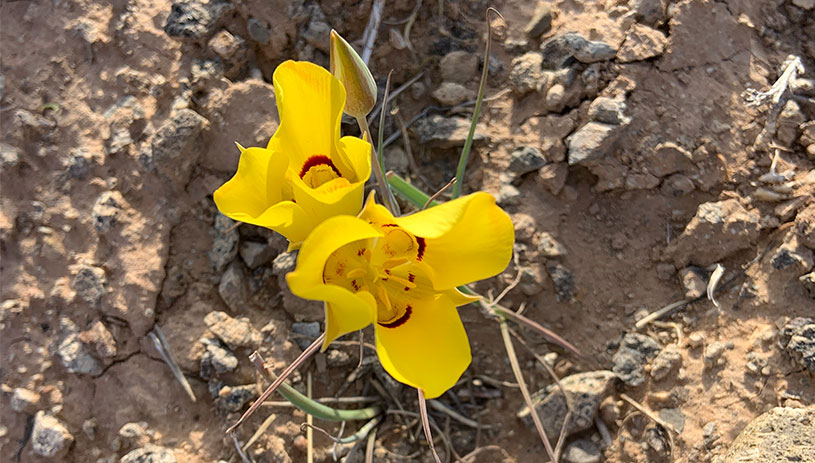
(409, 192)
(385, 192)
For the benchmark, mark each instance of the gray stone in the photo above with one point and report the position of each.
(677, 185)
(195, 20)
(797, 338)
(640, 181)
(559, 49)
(540, 23)
(106, 211)
(178, 144)
(630, 359)
(641, 43)
(149, 454)
(119, 141)
(234, 288)
(563, 278)
(452, 94)
(527, 74)
(674, 417)
(694, 281)
(553, 176)
(808, 282)
(548, 246)
(446, 132)
(99, 338)
(668, 360)
(24, 400)
(35, 126)
(651, 12)
(718, 230)
(582, 451)
(79, 163)
(713, 355)
(792, 256)
(316, 32)
(235, 333)
(234, 398)
(259, 30)
(217, 359)
(592, 141)
(508, 195)
(89, 284)
(49, 437)
(587, 390)
(668, 158)
(300, 309)
(525, 159)
(225, 245)
(232, 50)
(306, 333)
(458, 66)
(781, 435)
(255, 254)
(608, 111)
(9, 156)
(73, 354)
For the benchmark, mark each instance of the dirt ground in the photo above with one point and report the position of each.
(619, 135)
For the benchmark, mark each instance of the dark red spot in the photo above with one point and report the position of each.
(318, 160)
(411, 277)
(389, 225)
(399, 321)
(387, 272)
(361, 252)
(355, 285)
(420, 252)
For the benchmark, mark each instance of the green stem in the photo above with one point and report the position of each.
(465, 152)
(409, 192)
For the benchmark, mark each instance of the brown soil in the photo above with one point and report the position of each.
(89, 94)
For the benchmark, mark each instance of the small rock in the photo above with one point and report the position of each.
(674, 417)
(49, 437)
(677, 185)
(234, 288)
(9, 156)
(458, 66)
(651, 12)
(797, 338)
(300, 309)
(563, 278)
(665, 271)
(231, 49)
(552, 177)
(508, 195)
(234, 398)
(668, 360)
(787, 210)
(195, 20)
(718, 230)
(446, 132)
(525, 159)
(559, 49)
(804, 4)
(555, 96)
(107, 210)
(73, 354)
(89, 284)
(789, 121)
(792, 255)
(524, 227)
(696, 339)
(527, 74)
(24, 400)
(233, 332)
(641, 43)
(591, 142)
(396, 159)
(217, 359)
(668, 158)
(540, 23)
(134, 434)
(587, 391)
(255, 254)
(259, 30)
(805, 226)
(629, 360)
(36, 127)
(225, 245)
(317, 29)
(307, 331)
(640, 181)
(694, 280)
(452, 94)
(608, 111)
(782, 434)
(178, 144)
(808, 281)
(713, 355)
(79, 163)
(582, 451)
(532, 280)
(99, 338)
(149, 454)
(548, 246)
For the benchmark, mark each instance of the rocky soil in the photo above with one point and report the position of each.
(627, 139)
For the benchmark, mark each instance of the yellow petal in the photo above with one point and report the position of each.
(346, 311)
(337, 197)
(465, 240)
(429, 351)
(310, 103)
(356, 153)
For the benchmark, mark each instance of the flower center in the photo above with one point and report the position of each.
(318, 170)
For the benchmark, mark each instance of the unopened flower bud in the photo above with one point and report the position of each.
(348, 67)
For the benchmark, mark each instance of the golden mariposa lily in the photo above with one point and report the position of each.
(306, 173)
(401, 275)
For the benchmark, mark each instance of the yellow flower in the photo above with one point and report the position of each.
(306, 173)
(401, 274)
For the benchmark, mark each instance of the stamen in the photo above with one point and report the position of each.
(408, 284)
(357, 272)
(393, 262)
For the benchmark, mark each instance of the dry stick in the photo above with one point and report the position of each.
(562, 436)
(438, 193)
(414, 168)
(277, 382)
(369, 447)
(653, 417)
(309, 421)
(238, 449)
(396, 93)
(516, 370)
(409, 26)
(263, 427)
(438, 406)
(371, 29)
(426, 425)
(160, 343)
(548, 368)
(382, 183)
(518, 318)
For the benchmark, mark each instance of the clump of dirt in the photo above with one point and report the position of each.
(627, 140)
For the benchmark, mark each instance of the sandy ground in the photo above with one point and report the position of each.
(618, 135)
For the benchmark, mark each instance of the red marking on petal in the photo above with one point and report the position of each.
(361, 252)
(318, 160)
(389, 225)
(420, 252)
(411, 277)
(399, 321)
(355, 285)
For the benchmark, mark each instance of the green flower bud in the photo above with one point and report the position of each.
(348, 67)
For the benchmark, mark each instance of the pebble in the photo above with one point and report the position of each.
(217, 359)
(674, 417)
(629, 360)
(508, 195)
(608, 111)
(525, 159)
(563, 278)
(641, 43)
(587, 391)
(552, 177)
(541, 22)
(694, 281)
(255, 254)
(149, 454)
(225, 244)
(234, 288)
(24, 400)
(73, 354)
(582, 451)
(234, 398)
(808, 282)
(668, 360)
(178, 144)
(80, 162)
(797, 338)
(792, 256)
(90, 284)
(788, 123)
(235, 333)
(782, 434)
(98, 337)
(526, 74)
(49, 436)
(446, 132)
(669, 158)
(713, 355)
(307, 331)
(591, 142)
(548, 246)
(458, 66)
(259, 30)
(696, 339)
(677, 185)
(195, 20)
(559, 49)
(9, 156)
(452, 94)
